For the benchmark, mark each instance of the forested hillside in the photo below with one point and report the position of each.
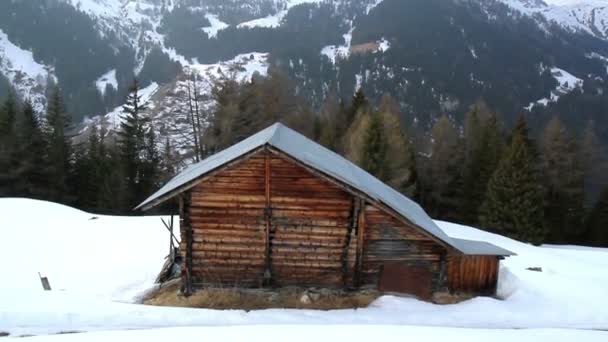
(541, 188)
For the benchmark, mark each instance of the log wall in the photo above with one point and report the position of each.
(411, 255)
(226, 213)
(309, 228)
(473, 274)
(268, 221)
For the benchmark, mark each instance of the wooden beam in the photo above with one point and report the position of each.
(352, 227)
(268, 218)
(360, 243)
(185, 202)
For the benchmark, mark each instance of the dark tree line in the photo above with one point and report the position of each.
(110, 174)
(547, 186)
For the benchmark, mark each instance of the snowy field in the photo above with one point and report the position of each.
(99, 266)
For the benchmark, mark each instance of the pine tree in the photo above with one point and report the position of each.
(8, 146)
(564, 182)
(151, 166)
(168, 161)
(374, 149)
(58, 122)
(442, 188)
(358, 103)
(484, 148)
(595, 168)
(513, 205)
(132, 145)
(598, 221)
(32, 178)
(400, 159)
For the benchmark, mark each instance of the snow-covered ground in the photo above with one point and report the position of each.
(98, 264)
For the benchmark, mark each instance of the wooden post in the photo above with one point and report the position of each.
(267, 217)
(187, 225)
(352, 226)
(360, 242)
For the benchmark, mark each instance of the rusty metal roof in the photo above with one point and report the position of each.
(322, 159)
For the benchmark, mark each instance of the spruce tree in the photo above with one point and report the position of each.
(358, 103)
(59, 157)
(513, 205)
(563, 179)
(597, 223)
(442, 178)
(132, 144)
(374, 149)
(32, 178)
(400, 159)
(151, 166)
(8, 146)
(484, 148)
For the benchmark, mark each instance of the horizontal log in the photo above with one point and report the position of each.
(303, 222)
(309, 230)
(276, 213)
(242, 220)
(228, 197)
(224, 212)
(211, 247)
(228, 226)
(230, 233)
(293, 246)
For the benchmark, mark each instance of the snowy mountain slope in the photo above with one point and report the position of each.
(590, 16)
(93, 261)
(168, 106)
(27, 75)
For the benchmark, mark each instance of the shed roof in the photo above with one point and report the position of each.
(319, 158)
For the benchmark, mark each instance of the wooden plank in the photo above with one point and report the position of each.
(267, 217)
(185, 200)
(360, 242)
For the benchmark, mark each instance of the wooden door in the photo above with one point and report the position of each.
(401, 277)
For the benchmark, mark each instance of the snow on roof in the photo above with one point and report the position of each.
(318, 157)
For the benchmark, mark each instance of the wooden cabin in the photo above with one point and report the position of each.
(277, 209)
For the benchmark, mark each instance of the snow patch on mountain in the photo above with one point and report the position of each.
(590, 16)
(372, 5)
(112, 120)
(216, 25)
(275, 20)
(384, 45)
(168, 106)
(109, 78)
(27, 76)
(566, 84)
(334, 53)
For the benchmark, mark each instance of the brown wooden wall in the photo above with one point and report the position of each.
(226, 213)
(399, 258)
(309, 227)
(473, 274)
(268, 221)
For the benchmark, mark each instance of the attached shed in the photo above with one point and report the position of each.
(277, 209)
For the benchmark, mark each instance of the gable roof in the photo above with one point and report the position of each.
(322, 159)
